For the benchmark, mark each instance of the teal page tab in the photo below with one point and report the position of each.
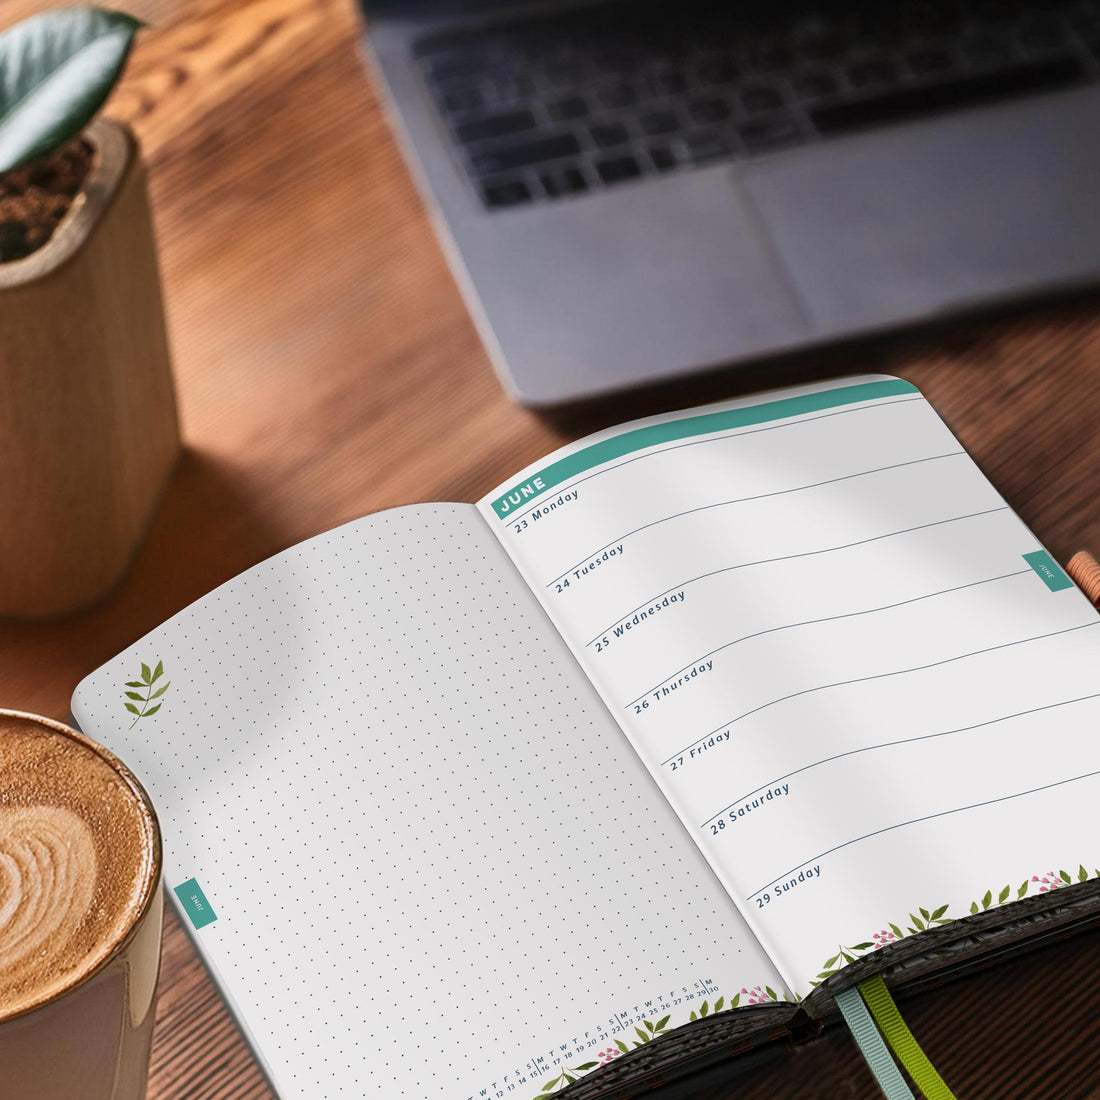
(195, 904)
(1054, 577)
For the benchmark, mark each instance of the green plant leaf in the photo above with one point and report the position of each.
(736, 1000)
(1082, 874)
(770, 992)
(974, 907)
(649, 1025)
(663, 1022)
(937, 913)
(132, 709)
(1002, 897)
(861, 946)
(1064, 876)
(694, 1016)
(56, 70)
(622, 1046)
(703, 1009)
(1023, 889)
(158, 671)
(987, 900)
(160, 691)
(897, 931)
(134, 684)
(135, 695)
(146, 674)
(152, 710)
(717, 1006)
(641, 1035)
(587, 1065)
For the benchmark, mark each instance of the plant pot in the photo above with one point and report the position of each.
(88, 428)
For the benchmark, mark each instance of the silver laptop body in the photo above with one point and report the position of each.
(630, 192)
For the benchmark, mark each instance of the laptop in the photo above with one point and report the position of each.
(631, 191)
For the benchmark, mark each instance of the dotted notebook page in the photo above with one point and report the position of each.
(413, 845)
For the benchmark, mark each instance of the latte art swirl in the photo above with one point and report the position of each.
(47, 885)
(79, 859)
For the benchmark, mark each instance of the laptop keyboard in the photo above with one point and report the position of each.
(560, 106)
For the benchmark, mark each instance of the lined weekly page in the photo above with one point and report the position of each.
(436, 868)
(868, 691)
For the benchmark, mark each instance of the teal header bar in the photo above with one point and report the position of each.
(1054, 577)
(195, 904)
(705, 423)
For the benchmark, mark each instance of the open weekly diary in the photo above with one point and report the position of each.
(634, 763)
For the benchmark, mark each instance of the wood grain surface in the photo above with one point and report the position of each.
(326, 367)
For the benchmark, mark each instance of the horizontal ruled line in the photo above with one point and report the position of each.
(827, 619)
(917, 820)
(745, 500)
(792, 557)
(877, 676)
(894, 744)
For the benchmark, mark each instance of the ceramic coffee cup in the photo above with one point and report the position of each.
(80, 917)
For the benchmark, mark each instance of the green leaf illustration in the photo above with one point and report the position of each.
(588, 1065)
(663, 1022)
(1002, 897)
(148, 706)
(622, 1046)
(1064, 876)
(1082, 874)
(937, 913)
(694, 1016)
(641, 1035)
(974, 907)
(1022, 890)
(860, 947)
(770, 992)
(987, 899)
(897, 931)
(736, 1000)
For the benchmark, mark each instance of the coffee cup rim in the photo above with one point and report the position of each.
(151, 880)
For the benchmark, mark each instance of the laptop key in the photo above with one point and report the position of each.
(495, 126)
(505, 193)
(663, 157)
(814, 85)
(708, 111)
(760, 97)
(565, 110)
(655, 123)
(565, 181)
(462, 100)
(706, 146)
(508, 158)
(717, 71)
(617, 95)
(618, 169)
(606, 135)
(759, 137)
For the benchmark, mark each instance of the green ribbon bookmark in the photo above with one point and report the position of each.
(871, 1046)
(901, 1040)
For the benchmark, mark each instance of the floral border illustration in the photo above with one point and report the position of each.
(758, 995)
(931, 918)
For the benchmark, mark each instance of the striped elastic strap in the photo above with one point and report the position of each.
(901, 1040)
(871, 1045)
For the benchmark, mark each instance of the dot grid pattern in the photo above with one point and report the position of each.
(431, 852)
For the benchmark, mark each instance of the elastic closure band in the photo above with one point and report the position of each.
(871, 1046)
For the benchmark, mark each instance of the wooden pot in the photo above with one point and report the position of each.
(88, 427)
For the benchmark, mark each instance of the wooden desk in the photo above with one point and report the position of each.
(327, 368)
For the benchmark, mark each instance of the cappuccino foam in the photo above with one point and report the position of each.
(79, 857)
